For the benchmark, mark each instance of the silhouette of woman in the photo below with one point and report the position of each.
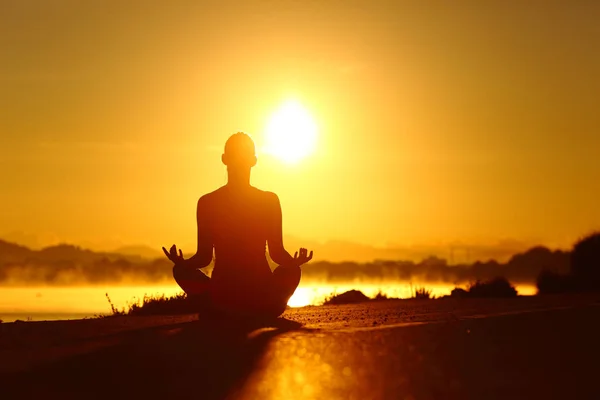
(239, 221)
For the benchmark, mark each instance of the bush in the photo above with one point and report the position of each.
(585, 262)
(549, 282)
(459, 293)
(497, 287)
(349, 297)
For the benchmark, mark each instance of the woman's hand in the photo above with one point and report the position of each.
(173, 256)
(303, 258)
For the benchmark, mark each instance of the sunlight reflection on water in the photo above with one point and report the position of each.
(315, 294)
(41, 303)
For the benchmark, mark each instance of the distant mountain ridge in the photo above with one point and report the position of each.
(66, 252)
(457, 252)
(66, 264)
(140, 250)
(13, 251)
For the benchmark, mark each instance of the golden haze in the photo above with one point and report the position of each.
(435, 123)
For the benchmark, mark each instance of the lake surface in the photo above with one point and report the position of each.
(52, 303)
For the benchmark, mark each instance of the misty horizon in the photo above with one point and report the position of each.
(455, 252)
(72, 265)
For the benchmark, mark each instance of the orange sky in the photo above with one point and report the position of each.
(472, 122)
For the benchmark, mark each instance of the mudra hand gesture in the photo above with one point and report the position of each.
(173, 256)
(303, 258)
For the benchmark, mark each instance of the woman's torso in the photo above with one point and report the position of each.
(238, 223)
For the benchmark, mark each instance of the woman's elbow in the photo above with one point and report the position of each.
(206, 261)
(280, 257)
(274, 255)
(200, 260)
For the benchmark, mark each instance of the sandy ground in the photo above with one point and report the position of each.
(530, 347)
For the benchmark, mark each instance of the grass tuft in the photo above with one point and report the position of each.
(156, 305)
(115, 310)
(423, 294)
(381, 297)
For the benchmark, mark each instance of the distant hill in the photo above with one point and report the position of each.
(142, 251)
(67, 264)
(64, 252)
(13, 252)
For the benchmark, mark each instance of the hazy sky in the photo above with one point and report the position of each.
(438, 121)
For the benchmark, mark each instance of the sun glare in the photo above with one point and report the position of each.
(291, 133)
(300, 298)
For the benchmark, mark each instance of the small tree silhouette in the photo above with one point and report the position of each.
(585, 262)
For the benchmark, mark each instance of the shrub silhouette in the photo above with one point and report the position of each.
(381, 297)
(163, 305)
(422, 294)
(157, 305)
(349, 297)
(585, 262)
(497, 287)
(549, 282)
(459, 293)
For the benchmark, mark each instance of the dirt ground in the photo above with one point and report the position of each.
(529, 347)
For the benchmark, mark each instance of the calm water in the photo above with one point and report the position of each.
(51, 303)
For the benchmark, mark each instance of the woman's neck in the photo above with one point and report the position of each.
(238, 178)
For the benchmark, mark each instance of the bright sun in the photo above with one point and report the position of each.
(291, 133)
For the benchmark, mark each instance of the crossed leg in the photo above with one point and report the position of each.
(193, 281)
(286, 279)
(272, 299)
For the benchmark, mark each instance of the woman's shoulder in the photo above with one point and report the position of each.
(266, 195)
(209, 198)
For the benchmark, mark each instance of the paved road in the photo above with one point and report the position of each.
(519, 349)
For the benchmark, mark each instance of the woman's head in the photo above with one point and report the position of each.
(239, 151)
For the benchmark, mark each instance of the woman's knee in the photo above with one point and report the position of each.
(180, 273)
(290, 275)
(192, 281)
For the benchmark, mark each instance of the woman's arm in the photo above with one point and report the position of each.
(204, 251)
(275, 233)
(275, 238)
